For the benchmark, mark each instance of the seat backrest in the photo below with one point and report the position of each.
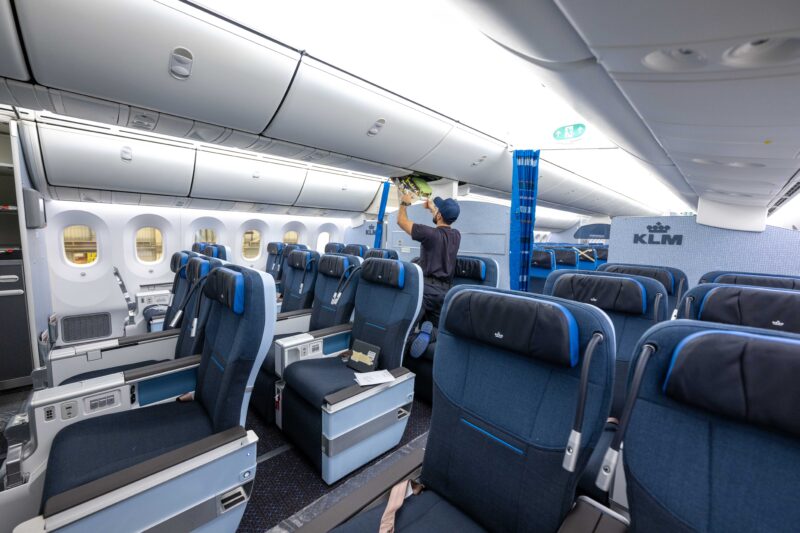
(335, 291)
(274, 257)
(752, 278)
(673, 279)
(287, 250)
(587, 257)
(198, 247)
(388, 301)
(216, 251)
(355, 249)
(713, 443)
(238, 334)
(543, 261)
(334, 247)
(566, 258)
(299, 280)
(381, 253)
(197, 307)
(506, 380)
(474, 270)
(180, 285)
(741, 305)
(633, 303)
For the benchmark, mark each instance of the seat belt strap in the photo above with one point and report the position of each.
(397, 496)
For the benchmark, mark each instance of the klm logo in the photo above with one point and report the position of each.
(658, 234)
(498, 335)
(777, 323)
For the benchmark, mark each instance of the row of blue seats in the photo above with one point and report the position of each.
(549, 257)
(523, 388)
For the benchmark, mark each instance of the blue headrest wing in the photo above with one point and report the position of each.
(385, 271)
(540, 329)
(197, 268)
(227, 287)
(274, 248)
(179, 259)
(737, 374)
(616, 294)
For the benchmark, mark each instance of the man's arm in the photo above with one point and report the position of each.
(402, 215)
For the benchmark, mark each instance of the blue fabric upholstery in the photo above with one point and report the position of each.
(274, 258)
(355, 249)
(381, 253)
(334, 247)
(299, 279)
(689, 469)
(180, 285)
(628, 327)
(466, 267)
(324, 312)
(99, 446)
(673, 279)
(501, 421)
(316, 378)
(752, 278)
(743, 305)
(426, 513)
(280, 279)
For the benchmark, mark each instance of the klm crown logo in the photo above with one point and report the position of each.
(658, 234)
(658, 228)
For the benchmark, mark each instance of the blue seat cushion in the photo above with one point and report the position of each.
(425, 513)
(107, 371)
(97, 447)
(316, 378)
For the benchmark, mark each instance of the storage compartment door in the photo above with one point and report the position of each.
(247, 179)
(161, 55)
(77, 158)
(337, 191)
(329, 109)
(12, 62)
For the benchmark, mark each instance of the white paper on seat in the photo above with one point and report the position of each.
(373, 378)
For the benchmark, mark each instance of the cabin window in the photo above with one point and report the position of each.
(251, 244)
(80, 245)
(149, 245)
(291, 237)
(323, 239)
(205, 235)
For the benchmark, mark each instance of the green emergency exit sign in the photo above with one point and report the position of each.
(567, 133)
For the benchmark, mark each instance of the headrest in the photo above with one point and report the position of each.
(334, 248)
(542, 259)
(659, 274)
(615, 294)
(211, 250)
(752, 306)
(565, 257)
(178, 260)
(301, 259)
(381, 253)
(333, 265)
(742, 375)
(355, 249)
(227, 287)
(197, 268)
(274, 248)
(199, 246)
(386, 271)
(757, 280)
(471, 268)
(535, 328)
(602, 254)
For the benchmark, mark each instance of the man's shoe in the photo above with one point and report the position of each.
(422, 340)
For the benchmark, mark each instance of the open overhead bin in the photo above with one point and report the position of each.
(93, 160)
(165, 56)
(246, 178)
(332, 190)
(332, 110)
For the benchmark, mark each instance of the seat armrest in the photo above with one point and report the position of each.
(99, 487)
(147, 337)
(358, 500)
(354, 390)
(333, 330)
(165, 367)
(291, 314)
(325, 342)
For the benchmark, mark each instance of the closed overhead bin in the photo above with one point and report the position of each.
(244, 178)
(329, 190)
(163, 55)
(332, 110)
(93, 160)
(12, 60)
(470, 156)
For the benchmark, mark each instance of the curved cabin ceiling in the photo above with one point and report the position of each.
(271, 98)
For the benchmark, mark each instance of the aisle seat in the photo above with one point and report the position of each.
(673, 279)
(507, 383)
(300, 276)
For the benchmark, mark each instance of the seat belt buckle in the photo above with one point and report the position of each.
(571, 452)
(607, 468)
(194, 327)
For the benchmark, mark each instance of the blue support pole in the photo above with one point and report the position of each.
(381, 215)
(525, 185)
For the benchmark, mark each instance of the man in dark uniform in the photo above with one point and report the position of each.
(437, 258)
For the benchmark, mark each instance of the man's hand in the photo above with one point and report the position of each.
(407, 198)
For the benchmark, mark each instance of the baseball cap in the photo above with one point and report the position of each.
(448, 208)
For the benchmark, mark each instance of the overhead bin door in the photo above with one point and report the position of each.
(12, 62)
(329, 109)
(469, 156)
(246, 179)
(328, 190)
(76, 158)
(163, 55)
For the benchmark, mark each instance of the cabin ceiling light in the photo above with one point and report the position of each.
(675, 60)
(763, 51)
(376, 128)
